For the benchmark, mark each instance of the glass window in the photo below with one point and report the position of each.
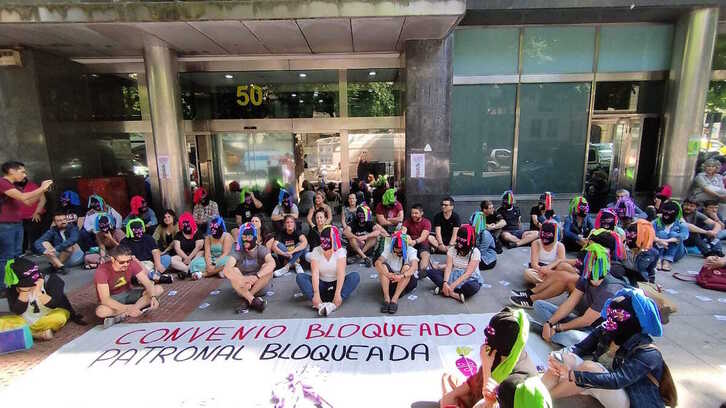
(486, 51)
(558, 50)
(631, 48)
(259, 94)
(639, 97)
(552, 136)
(379, 151)
(114, 96)
(98, 155)
(719, 53)
(374, 92)
(482, 138)
(714, 134)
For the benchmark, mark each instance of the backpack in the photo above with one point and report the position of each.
(666, 385)
(712, 279)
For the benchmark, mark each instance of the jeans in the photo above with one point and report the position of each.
(11, 245)
(75, 259)
(544, 310)
(327, 289)
(721, 234)
(705, 247)
(468, 288)
(295, 256)
(672, 253)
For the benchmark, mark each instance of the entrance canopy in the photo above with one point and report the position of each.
(109, 29)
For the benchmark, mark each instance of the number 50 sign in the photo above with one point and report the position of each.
(247, 94)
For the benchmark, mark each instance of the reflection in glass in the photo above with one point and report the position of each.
(379, 151)
(719, 53)
(640, 97)
(98, 155)
(259, 94)
(558, 50)
(552, 137)
(321, 156)
(634, 47)
(374, 92)
(113, 96)
(482, 138)
(486, 50)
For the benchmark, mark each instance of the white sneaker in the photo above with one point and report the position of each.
(282, 271)
(326, 308)
(221, 274)
(110, 321)
(299, 269)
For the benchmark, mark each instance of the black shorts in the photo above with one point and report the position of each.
(517, 233)
(422, 247)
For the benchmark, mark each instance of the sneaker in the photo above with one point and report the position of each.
(78, 319)
(258, 304)
(326, 308)
(197, 276)
(368, 262)
(437, 290)
(110, 321)
(282, 271)
(166, 278)
(181, 275)
(521, 293)
(498, 249)
(385, 307)
(521, 301)
(299, 269)
(392, 308)
(243, 307)
(462, 298)
(221, 274)
(511, 245)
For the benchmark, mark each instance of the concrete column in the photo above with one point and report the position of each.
(428, 73)
(688, 82)
(166, 120)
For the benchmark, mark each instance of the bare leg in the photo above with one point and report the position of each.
(400, 287)
(528, 237)
(507, 237)
(425, 258)
(370, 243)
(178, 264)
(382, 269)
(260, 284)
(355, 244)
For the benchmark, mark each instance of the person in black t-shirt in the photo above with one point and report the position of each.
(289, 247)
(495, 223)
(362, 234)
(249, 205)
(188, 244)
(144, 249)
(512, 234)
(446, 225)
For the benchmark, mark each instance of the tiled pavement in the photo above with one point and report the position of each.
(693, 344)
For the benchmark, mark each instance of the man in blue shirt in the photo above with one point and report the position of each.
(60, 244)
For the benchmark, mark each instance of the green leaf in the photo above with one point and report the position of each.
(463, 351)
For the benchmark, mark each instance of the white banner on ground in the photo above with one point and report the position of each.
(391, 361)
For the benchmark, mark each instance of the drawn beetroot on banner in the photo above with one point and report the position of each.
(465, 365)
(296, 392)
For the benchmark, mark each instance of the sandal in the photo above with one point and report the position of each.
(667, 266)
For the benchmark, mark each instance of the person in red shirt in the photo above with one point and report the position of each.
(117, 297)
(34, 221)
(12, 201)
(389, 212)
(418, 228)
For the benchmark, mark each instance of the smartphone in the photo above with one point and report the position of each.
(557, 355)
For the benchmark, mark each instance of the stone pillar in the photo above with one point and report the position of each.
(688, 83)
(429, 73)
(166, 120)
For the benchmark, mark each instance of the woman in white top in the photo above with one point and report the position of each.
(543, 253)
(396, 269)
(328, 284)
(460, 279)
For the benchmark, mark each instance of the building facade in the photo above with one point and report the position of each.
(448, 97)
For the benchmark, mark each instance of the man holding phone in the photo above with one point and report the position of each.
(12, 201)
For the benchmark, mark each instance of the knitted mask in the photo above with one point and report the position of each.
(247, 237)
(364, 214)
(199, 195)
(507, 334)
(284, 199)
(620, 320)
(70, 197)
(609, 240)
(103, 223)
(187, 224)
(545, 200)
(96, 203)
(549, 233)
(135, 229)
(465, 239)
(216, 227)
(641, 307)
(138, 205)
(330, 238)
(596, 264)
(607, 219)
(399, 244)
(245, 196)
(671, 212)
(21, 273)
(478, 221)
(389, 197)
(640, 234)
(507, 199)
(625, 207)
(579, 207)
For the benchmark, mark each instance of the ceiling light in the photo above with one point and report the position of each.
(320, 100)
(372, 73)
(301, 101)
(302, 75)
(229, 76)
(294, 95)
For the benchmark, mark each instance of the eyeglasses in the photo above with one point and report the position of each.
(445, 205)
(122, 262)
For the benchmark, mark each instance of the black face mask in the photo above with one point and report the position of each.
(669, 216)
(205, 201)
(138, 233)
(607, 222)
(216, 231)
(631, 238)
(96, 205)
(104, 225)
(186, 228)
(547, 237)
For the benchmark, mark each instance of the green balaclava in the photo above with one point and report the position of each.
(389, 197)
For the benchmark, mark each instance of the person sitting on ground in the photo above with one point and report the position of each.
(460, 278)
(106, 238)
(70, 204)
(140, 209)
(96, 205)
(507, 375)
(638, 371)
(597, 190)
(484, 241)
(389, 212)
(577, 225)
(36, 300)
(542, 212)
(165, 232)
(314, 233)
(418, 230)
(204, 208)
(348, 215)
(710, 210)
(623, 194)
(307, 197)
(544, 252)
(249, 205)
(396, 269)
(264, 237)
(625, 210)
(117, 298)
(560, 324)
(708, 184)
(328, 284)
(662, 194)
(218, 245)
(608, 219)
(332, 198)
(249, 269)
(670, 234)
(379, 187)
(362, 234)
(640, 256)
(702, 231)
(285, 206)
(512, 233)
(446, 224)
(188, 245)
(319, 202)
(60, 244)
(290, 246)
(494, 222)
(144, 249)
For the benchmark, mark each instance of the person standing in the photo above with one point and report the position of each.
(34, 219)
(11, 218)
